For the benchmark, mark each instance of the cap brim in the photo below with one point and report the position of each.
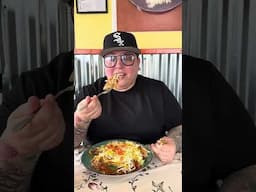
(132, 49)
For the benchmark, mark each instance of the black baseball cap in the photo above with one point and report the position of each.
(119, 41)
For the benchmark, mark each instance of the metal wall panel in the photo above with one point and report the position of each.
(223, 32)
(32, 33)
(164, 67)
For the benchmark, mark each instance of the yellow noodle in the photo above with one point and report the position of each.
(124, 155)
(111, 83)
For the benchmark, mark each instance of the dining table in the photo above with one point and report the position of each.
(155, 177)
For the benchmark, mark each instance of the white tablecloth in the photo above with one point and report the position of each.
(156, 177)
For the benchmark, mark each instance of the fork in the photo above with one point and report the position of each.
(69, 88)
(26, 119)
(104, 92)
(101, 93)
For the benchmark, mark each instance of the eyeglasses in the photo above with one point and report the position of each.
(127, 59)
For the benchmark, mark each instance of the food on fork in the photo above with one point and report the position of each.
(111, 83)
(162, 141)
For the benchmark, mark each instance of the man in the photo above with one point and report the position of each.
(138, 108)
(37, 140)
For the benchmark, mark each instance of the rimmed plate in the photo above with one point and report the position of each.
(88, 156)
(158, 8)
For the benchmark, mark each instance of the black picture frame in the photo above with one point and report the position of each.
(92, 6)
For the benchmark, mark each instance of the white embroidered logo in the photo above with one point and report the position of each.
(118, 39)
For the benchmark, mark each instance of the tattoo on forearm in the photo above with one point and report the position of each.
(79, 136)
(16, 173)
(13, 180)
(176, 134)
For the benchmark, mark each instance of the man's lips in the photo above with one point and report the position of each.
(121, 75)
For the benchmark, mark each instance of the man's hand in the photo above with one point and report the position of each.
(35, 126)
(87, 110)
(165, 149)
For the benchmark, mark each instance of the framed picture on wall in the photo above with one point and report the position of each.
(152, 15)
(91, 6)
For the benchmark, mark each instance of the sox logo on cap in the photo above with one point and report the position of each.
(118, 39)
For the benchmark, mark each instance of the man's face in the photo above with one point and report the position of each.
(125, 64)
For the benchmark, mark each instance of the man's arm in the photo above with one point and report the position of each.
(80, 130)
(12, 179)
(241, 180)
(176, 134)
(30, 131)
(87, 110)
(13, 175)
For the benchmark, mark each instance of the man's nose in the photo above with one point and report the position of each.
(119, 63)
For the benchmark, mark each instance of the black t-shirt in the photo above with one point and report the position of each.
(142, 113)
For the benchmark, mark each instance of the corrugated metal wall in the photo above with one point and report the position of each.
(223, 32)
(164, 67)
(32, 33)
